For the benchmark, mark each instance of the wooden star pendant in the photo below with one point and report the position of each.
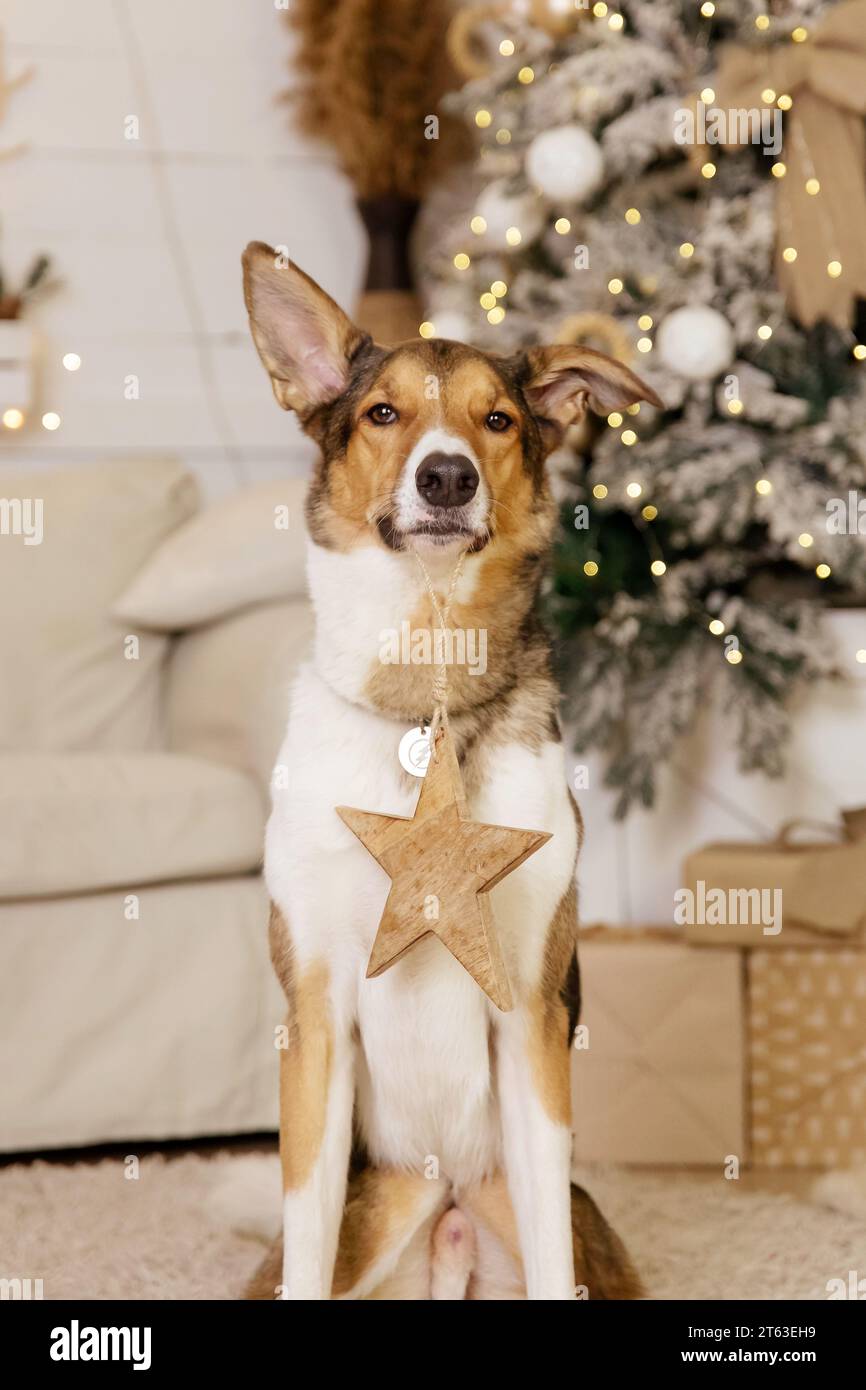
(442, 866)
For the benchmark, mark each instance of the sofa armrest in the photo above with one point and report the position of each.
(227, 696)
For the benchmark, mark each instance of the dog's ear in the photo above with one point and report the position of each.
(561, 382)
(304, 339)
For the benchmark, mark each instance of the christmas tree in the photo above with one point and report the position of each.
(710, 239)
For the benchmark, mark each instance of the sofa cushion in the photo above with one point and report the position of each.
(72, 679)
(247, 548)
(81, 822)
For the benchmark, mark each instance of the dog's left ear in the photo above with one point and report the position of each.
(561, 382)
(304, 339)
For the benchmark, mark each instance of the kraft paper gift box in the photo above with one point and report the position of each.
(662, 1077)
(807, 1057)
(813, 894)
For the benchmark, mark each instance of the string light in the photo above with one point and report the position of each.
(812, 187)
(13, 418)
(462, 261)
(708, 170)
(506, 48)
(526, 75)
(478, 226)
(616, 22)
(717, 627)
(859, 351)
(590, 568)
(658, 567)
(708, 9)
(483, 119)
(649, 512)
(735, 407)
(562, 225)
(645, 322)
(805, 539)
(633, 409)
(785, 102)
(632, 217)
(768, 96)
(708, 96)
(800, 35)
(764, 487)
(499, 288)
(599, 490)
(487, 300)
(762, 21)
(615, 285)
(861, 656)
(823, 571)
(834, 269)
(503, 136)
(628, 437)
(634, 489)
(600, 10)
(789, 254)
(513, 236)
(765, 332)
(779, 169)
(644, 344)
(496, 315)
(614, 419)
(51, 420)
(427, 329)
(71, 361)
(734, 656)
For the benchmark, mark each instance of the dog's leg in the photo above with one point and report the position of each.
(317, 1082)
(533, 1077)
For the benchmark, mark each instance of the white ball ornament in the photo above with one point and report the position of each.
(696, 342)
(565, 164)
(503, 210)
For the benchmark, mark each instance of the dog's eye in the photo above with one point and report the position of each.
(382, 414)
(498, 421)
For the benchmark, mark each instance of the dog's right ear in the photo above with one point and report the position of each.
(304, 339)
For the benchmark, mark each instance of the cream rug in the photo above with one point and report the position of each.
(193, 1227)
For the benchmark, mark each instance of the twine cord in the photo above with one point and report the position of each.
(440, 672)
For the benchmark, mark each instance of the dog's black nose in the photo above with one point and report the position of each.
(447, 480)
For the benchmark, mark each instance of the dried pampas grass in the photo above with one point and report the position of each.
(370, 74)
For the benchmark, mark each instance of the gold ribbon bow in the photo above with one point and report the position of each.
(825, 76)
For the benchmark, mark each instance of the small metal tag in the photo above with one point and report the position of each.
(414, 751)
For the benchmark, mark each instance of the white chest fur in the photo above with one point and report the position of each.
(425, 1092)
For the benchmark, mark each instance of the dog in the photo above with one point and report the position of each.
(425, 1136)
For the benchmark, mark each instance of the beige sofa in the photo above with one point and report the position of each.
(146, 649)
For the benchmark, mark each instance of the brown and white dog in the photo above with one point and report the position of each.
(424, 1135)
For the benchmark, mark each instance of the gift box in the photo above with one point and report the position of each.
(658, 1063)
(784, 893)
(807, 1057)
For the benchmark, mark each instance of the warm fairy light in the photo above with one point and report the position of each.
(614, 419)
(734, 656)
(634, 489)
(764, 487)
(708, 170)
(859, 351)
(51, 420)
(506, 48)
(590, 568)
(633, 409)
(708, 96)
(616, 21)
(483, 118)
(478, 226)
(71, 361)
(813, 186)
(717, 627)
(462, 261)
(805, 539)
(768, 95)
(513, 236)
(427, 329)
(503, 136)
(487, 300)
(789, 254)
(765, 332)
(823, 571)
(779, 169)
(526, 75)
(499, 288)
(632, 217)
(658, 567)
(496, 315)
(615, 285)
(600, 10)
(687, 250)
(628, 437)
(649, 512)
(799, 35)
(861, 656)
(644, 344)
(735, 407)
(13, 418)
(599, 490)
(708, 9)
(645, 322)
(785, 102)
(762, 21)
(834, 269)
(562, 225)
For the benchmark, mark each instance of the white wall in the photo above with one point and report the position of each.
(147, 234)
